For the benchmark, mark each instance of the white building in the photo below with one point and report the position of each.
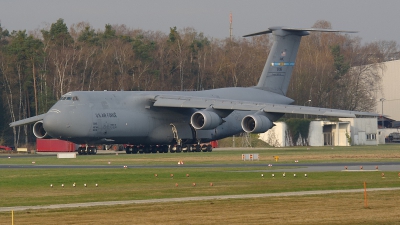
(363, 131)
(346, 132)
(276, 136)
(390, 90)
(323, 133)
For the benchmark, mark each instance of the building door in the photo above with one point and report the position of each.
(328, 137)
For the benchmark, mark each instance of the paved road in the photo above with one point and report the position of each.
(186, 199)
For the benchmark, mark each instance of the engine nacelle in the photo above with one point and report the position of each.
(39, 131)
(256, 124)
(205, 120)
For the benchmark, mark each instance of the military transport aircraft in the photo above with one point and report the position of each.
(149, 120)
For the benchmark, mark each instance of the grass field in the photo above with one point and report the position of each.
(26, 187)
(232, 156)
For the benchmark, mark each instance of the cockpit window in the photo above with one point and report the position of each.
(75, 98)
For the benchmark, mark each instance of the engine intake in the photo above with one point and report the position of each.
(256, 124)
(205, 120)
(39, 131)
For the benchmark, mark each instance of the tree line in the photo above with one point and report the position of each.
(37, 67)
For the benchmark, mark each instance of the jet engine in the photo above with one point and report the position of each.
(205, 120)
(256, 124)
(39, 131)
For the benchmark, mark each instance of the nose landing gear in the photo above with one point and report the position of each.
(87, 150)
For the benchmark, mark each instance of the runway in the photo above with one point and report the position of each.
(279, 167)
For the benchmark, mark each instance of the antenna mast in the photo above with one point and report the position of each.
(230, 26)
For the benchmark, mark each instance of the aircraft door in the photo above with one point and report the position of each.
(183, 133)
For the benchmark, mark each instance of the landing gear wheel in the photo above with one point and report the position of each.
(134, 149)
(209, 148)
(190, 148)
(147, 149)
(128, 150)
(165, 148)
(172, 149)
(80, 151)
(92, 151)
(141, 149)
(198, 148)
(178, 148)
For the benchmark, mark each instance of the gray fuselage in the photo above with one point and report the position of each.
(127, 117)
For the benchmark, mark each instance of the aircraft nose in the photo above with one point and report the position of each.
(68, 123)
(51, 123)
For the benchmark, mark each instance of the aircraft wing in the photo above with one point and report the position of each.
(226, 104)
(27, 120)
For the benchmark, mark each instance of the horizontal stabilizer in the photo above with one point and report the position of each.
(259, 33)
(318, 30)
(271, 29)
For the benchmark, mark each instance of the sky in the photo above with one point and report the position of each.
(375, 20)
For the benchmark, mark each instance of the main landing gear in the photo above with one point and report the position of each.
(146, 149)
(190, 148)
(135, 149)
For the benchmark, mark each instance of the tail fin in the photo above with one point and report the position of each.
(279, 66)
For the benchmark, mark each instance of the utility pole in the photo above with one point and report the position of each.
(382, 123)
(230, 26)
(309, 100)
